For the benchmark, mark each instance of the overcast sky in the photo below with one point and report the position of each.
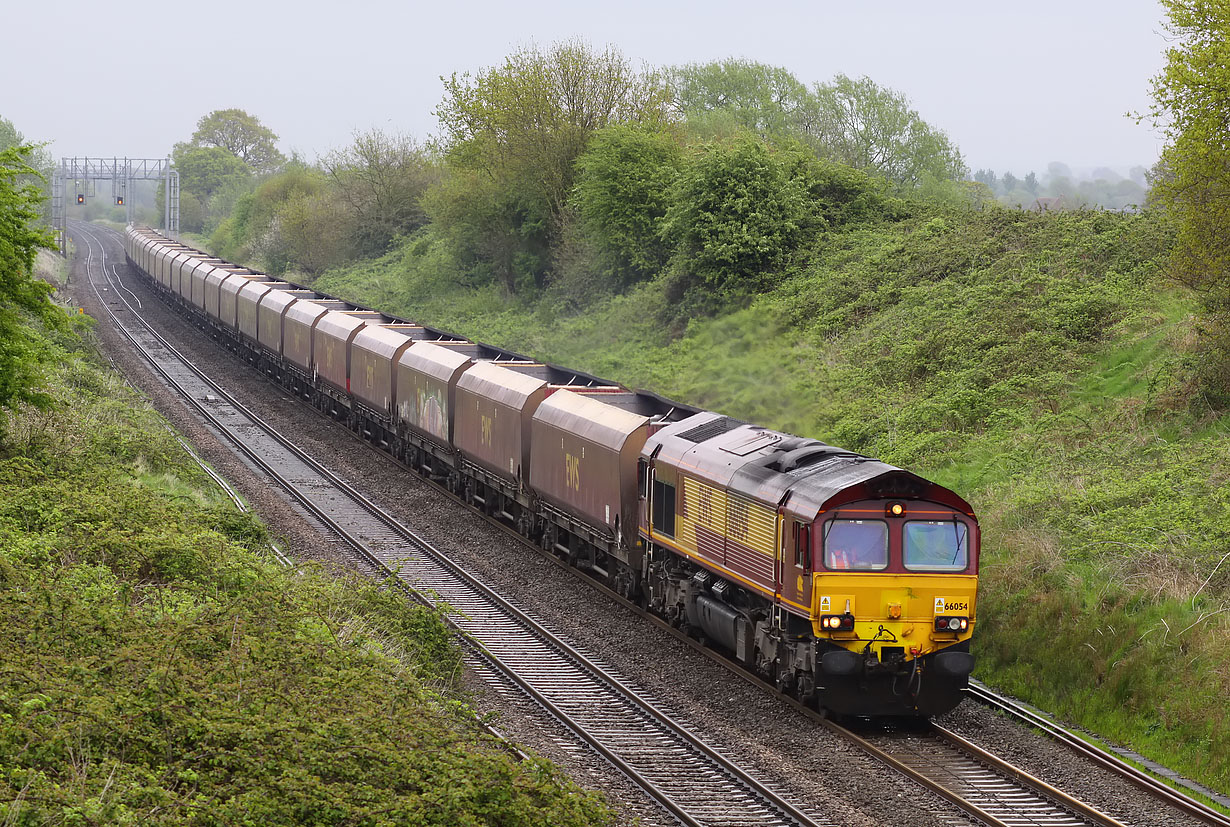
(1015, 85)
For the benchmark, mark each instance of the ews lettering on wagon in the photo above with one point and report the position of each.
(572, 472)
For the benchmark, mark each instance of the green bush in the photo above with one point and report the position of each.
(734, 217)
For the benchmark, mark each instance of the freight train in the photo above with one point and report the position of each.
(849, 582)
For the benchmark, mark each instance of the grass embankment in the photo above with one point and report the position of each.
(1037, 364)
(158, 668)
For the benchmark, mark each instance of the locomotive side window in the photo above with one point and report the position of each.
(856, 545)
(936, 545)
(802, 546)
(663, 508)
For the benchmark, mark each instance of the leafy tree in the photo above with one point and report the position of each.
(308, 231)
(985, 176)
(532, 117)
(767, 100)
(523, 125)
(20, 240)
(253, 230)
(203, 170)
(493, 232)
(866, 126)
(622, 194)
(1192, 108)
(735, 215)
(1031, 183)
(243, 135)
(1010, 182)
(836, 194)
(381, 179)
(37, 158)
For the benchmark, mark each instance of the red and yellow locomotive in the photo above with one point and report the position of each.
(845, 579)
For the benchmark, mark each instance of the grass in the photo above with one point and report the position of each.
(1041, 365)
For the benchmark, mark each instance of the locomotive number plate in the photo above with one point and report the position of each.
(944, 605)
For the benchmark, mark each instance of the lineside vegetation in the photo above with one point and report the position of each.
(158, 667)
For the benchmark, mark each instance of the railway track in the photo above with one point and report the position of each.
(1183, 799)
(691, 780)
(987, 789)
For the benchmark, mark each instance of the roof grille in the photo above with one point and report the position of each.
(710, 429)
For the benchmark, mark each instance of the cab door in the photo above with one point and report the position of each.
(779, 543)
(795, 563)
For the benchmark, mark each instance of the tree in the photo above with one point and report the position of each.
(767, 100)
(986, 176)
(243, 135)
(205, 169)
(523, 125)
(381, 179)
(36, 157)
(1192, 108)
(20, 292)
(1031, 183)
(863, 125)
(1010, 182)
(735, 214)
(622, 193)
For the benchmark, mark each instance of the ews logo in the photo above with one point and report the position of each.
(487, 425)
(572, 472)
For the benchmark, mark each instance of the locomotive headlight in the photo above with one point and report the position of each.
(951, 624)
(896, 509)
(837, 623)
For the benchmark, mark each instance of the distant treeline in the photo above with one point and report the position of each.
(1103, 187)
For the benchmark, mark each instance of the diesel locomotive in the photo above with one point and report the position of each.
(849, 582)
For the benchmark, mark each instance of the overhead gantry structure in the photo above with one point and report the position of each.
(121, 172)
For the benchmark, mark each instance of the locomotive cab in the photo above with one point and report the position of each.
(894, 595)
(848, 581)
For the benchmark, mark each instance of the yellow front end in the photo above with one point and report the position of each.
(897, 612)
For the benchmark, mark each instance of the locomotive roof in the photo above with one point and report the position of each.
(776, 468)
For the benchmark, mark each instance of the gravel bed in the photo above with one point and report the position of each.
(744, 721)
(1061, 768)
